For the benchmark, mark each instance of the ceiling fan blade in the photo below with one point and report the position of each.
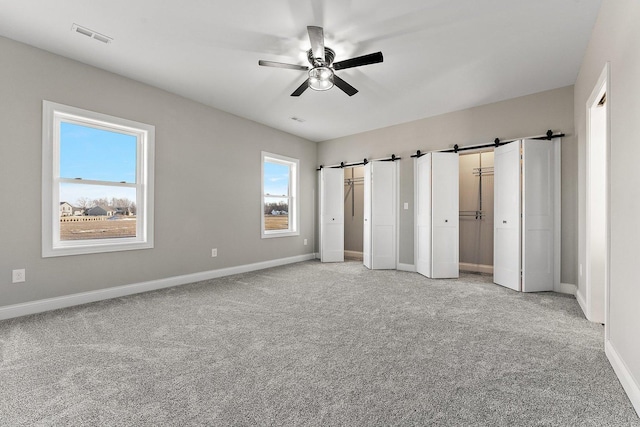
(282, 65)
(344, 86)
(301, 88)
(371, 58)
(316, 37)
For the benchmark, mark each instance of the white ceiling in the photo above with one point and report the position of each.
(439, 55)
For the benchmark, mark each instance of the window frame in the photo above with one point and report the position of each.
(294, 181)
(52, 115)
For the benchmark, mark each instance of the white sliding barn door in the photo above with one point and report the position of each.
(445, 199)
(506, 237)
(379, 238)
(423, 215)
(437, 201)
(366, 232)
(331, 215)
(538, 215)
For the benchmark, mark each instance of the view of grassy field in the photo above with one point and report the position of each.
(276, 222)
(108, 229)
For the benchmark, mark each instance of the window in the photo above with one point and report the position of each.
(97, 182)
(279, 196)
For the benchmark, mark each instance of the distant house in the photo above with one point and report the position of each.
(65, 209)
(78, 211)
(275, 212)
(127, 211)
(100, 211)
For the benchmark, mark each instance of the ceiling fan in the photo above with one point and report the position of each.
(322, 72)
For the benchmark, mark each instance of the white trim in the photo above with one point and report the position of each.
(53, 114)
(353, 255)
(625, 376)
(407, 267)
(292, 197)
(593, 313)
(582, 302)
(48, 304)
(567, 288)
(476, 268)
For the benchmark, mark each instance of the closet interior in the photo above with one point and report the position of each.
(476, 212)
(353, 212)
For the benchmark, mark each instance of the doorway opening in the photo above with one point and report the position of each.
(476, 212)
(353, 213)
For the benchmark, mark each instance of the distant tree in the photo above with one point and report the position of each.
(276, 206)
(84, 203)
(103, 201)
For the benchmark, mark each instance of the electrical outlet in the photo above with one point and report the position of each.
(214, 252)
(18, 276)
(305, 242)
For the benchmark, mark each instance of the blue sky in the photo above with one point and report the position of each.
(96, 154)
(276, 179)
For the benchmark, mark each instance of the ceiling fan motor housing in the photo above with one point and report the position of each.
(329, 55)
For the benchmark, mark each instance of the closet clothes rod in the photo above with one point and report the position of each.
(393, 158)
(496, 143)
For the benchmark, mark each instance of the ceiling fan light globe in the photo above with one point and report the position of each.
(321, 78)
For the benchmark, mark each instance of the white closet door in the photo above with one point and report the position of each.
(538, 215)
(366, 232)
(383, 215)
(423, 215)
(445, 215)
(332, 215)
(506, 237)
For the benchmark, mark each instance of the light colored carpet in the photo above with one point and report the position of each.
(313, 344)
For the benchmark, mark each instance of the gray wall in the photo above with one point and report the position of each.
(518, 117)
(616, 38)
(207, 186)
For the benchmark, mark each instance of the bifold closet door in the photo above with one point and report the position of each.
(506, 237)
(437, 215)
(445, 215)
(423, 215)
(538, 214)
(331, 215)
(527, 215)
(380, 215)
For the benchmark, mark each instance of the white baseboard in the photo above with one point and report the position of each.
(476, 268)
(406, 267)
(39, 306)
(567, 288)
(629, 383)
(353, 255)
(582, 303)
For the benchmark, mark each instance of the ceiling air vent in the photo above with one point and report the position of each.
(90, 33)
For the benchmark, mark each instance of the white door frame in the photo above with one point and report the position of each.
(591, 311)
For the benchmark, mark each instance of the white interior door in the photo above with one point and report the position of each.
(423, 215)
(383, 215)
(445, 201)
(366, 232)
(538, 215)
(332, 215)
(506, 237)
